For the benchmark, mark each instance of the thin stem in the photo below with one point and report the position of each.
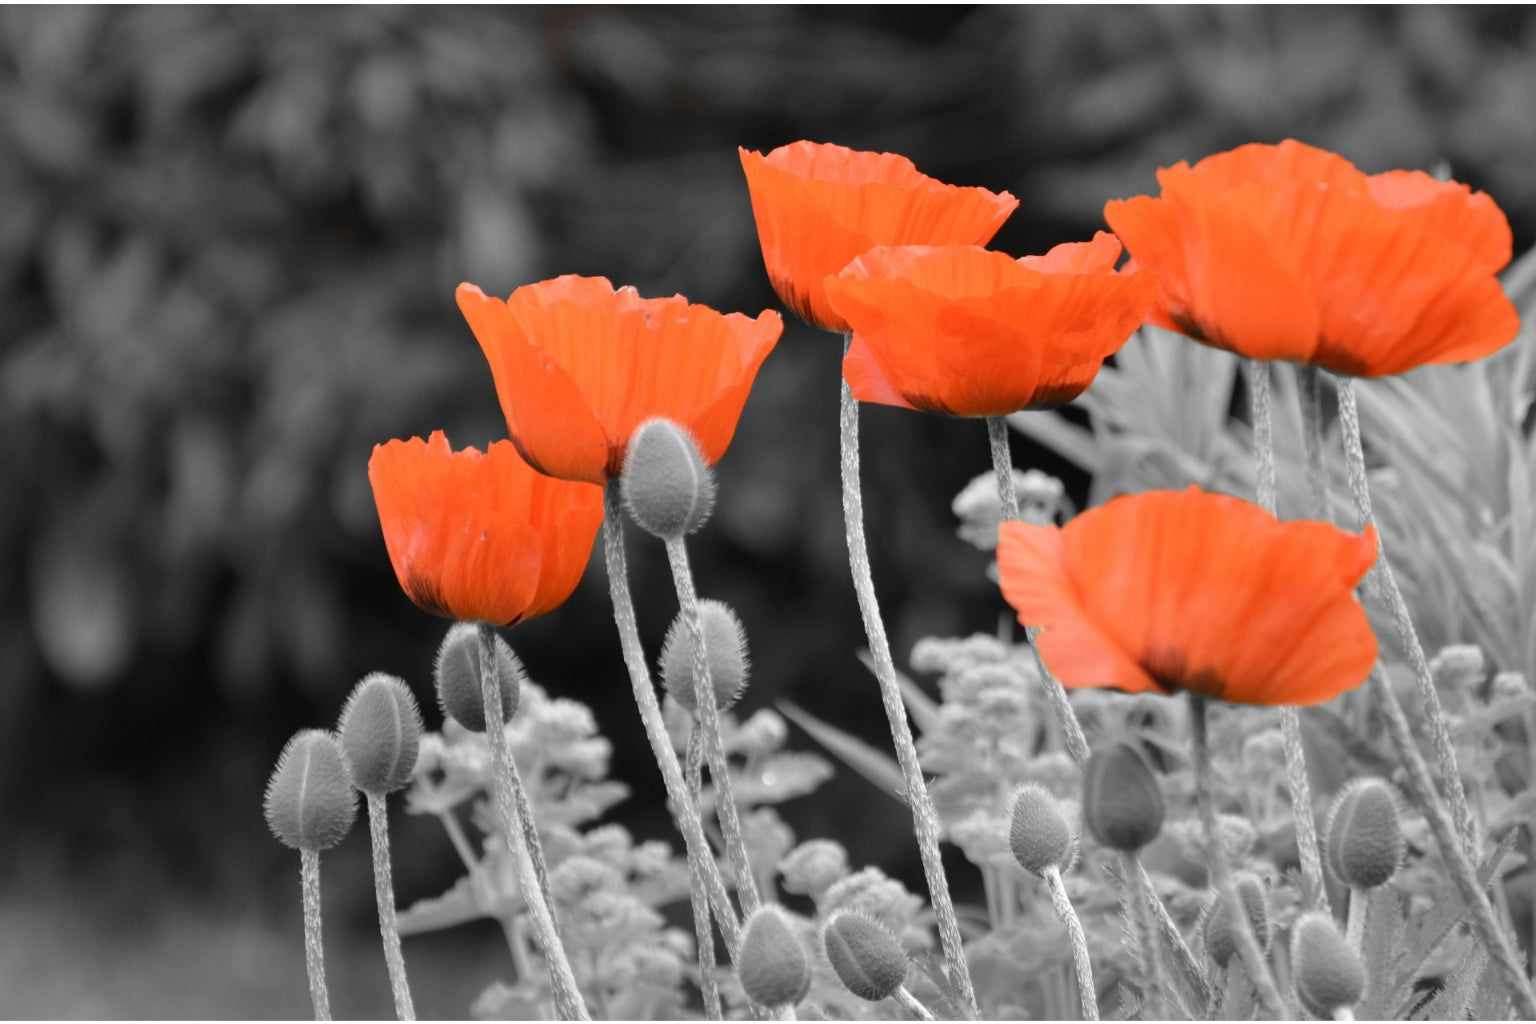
(384, 893)
(909, 1003)
(1154, 991)
(709, 985)
(1354, 929)
(1343, 1013)
(685, 811)
(523, 842)
(314, 951)
(1386, 585)
(924, 819)
(1081, 965)
(1309, 381)
(708, 718)
(459, 840)
(1221, 872)
(1263, 432)
(1002, 467)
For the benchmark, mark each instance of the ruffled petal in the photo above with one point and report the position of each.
(1289, 162)
(1091, 257)
(1452, 211)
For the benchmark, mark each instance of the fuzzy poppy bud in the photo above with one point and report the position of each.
(1122, 803)
(1365, 841)
(772, 966)
(725, 647)
(380, 732)
(1220, 939)
(667, 487)
(1039, 834)
(458, 676)
(1328, 973)
(310, 803)
(865, 955)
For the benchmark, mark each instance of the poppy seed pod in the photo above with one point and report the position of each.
(667, 487)
(725, 647)
(1122, 803)
(1365, 841)
(1328, 972)
(458, 676)
(310, 803)
(380, 732)
(1039, 834)
(1220, 941)
(865, 955)
(772, 966)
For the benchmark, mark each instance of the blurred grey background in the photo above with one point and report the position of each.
(229, 240)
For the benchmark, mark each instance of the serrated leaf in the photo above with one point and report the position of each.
(1454, 999)
(879, 768)
(1380, 948)
(461, 904)
(1445, 914)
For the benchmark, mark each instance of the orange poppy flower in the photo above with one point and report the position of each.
(818, 206)
(579, 365)
(481, 538)
(966, 331)
(1172, 590)
(1290, 252)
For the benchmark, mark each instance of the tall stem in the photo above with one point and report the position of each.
(924, 819)
(522, 840)
(1309, 381)
(314, 950)
(1081, 965)
(384, 894)
(685, 811)
(1154, 991)
(1221, 873)
(1263, 432)
(709, 986)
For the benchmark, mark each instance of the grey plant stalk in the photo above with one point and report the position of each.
(384, 894)
(925, 819)
(709, 985)
(1155, 995)
(1081, 966)
(685, 811)
(522, 840)
(909, 1003)
(314, 949)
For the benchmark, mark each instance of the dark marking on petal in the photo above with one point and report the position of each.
(425, 593)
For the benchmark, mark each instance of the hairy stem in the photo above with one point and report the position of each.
(314, 951)
(1263, 432)
(924, 818)
(384, 894)
(909, 1003)
(1081, 965)
(709, 985)
(1155, 997)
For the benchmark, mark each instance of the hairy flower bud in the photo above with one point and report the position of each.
(1220, 938)
(380, 732)
(865, 955)
(725, 647)
(1039, 834)
(310, 803)
(667, 487)
(458, 676)
(772, 967)
(1365, 841)
(1328, 972)
(1122, 803)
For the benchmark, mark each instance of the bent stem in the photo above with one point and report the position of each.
(1386, 585)
(1080, 962)
(384, 894)
(1221, 872)
(314, 952)
(924, 819)
(709, 986)
(909, 1003)
(685, 812)
(522, 840)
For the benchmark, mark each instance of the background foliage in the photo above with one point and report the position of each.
(228, 244)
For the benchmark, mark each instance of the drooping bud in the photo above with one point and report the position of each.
(1122, 803)
(1039, 834)
(380, 732)
(772, 967)
(1220, 937)
(866, 957)
(310, 803)
(1365, 841)
(667, 487)
(725, 647)
(1328, 972)
(458, 676)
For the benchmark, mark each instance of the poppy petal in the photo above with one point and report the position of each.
(1451, 210)
(1091, 257)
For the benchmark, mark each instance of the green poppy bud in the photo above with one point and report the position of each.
(1220, 939)
(865, 955)
(380, 733)
(772, 967)
(1122, 803)
(725, 647)
(458, 676)
(1328, 973)
(1039, 834)
(310, 802)
(1365, 841)
(667, 487)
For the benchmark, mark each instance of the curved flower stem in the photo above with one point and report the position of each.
(709, 986)
(314, 951)
(1386, 585)
(1086, 992)
(1155, 997)
(909, 1003)
(925, 819)
(685, 811)
(1221, 872)
(384, 893)
(708, 717)
(522, 840)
